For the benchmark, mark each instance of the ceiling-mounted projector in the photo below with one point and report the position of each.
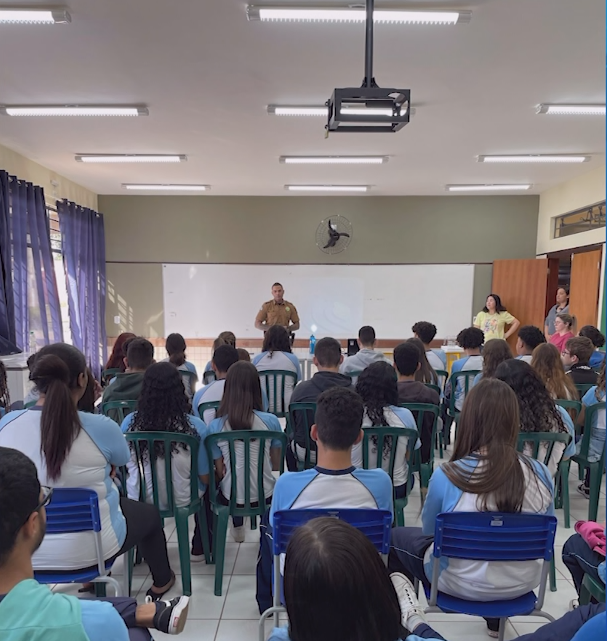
(368, 108)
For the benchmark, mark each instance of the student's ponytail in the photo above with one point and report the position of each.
(175, 346)
(55, 374)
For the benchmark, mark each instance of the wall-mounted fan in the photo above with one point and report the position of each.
(334, 234)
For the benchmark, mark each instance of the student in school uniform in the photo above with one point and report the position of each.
(471, 340)
(486, 473)
(426, 332)
(277, 355)
(379, 392)
(598, 340)
(223, 358)
(494, 354)
(175, 347)
(529, 337)
(548, 365)
(576, 359)
(333, 483)
(493, 319)
(425, 373)
(116, 359)
(366, 355)
(225, 338)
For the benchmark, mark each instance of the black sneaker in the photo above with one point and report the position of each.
(584, 491)
(172, 615)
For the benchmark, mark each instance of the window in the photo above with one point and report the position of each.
(581, 220)
(57, 251)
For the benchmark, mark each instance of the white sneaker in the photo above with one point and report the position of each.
(197, 558)
(238, 534)
(412, 613)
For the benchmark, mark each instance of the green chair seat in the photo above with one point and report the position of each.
(305, 412)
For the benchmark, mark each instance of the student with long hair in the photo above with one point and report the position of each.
(92, 394)
(537, 410)
(493, 318)
(548, 366)
(495, 353)
(426, 332)
(77, 449)
(116, 359)
(486, 474)
(377, 386)
(225, 338)
(241, 409)
(425, 373)
(176, 347)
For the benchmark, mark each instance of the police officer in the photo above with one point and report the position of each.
(277, 312)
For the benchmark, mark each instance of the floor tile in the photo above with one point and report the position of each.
(240, 630)
(246, 561)
(195, 630)
(472, 629)
(201, 567)
(240, 602)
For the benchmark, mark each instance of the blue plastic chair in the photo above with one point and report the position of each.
(376, 525)
(77, 510)
(492, 536)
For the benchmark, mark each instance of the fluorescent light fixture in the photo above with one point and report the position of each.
(39, 15)
(355, 14)
(537, 158)
(333, 160)
(356, 188)
(168, 187)
(73, 110)
(573, 110)
(302, 110)
(124, 158)
(369, 111)
(487, 187)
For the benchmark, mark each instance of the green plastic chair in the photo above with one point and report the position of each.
(468, 379)
(28, 405)
(576, 406)
(180, 514)
(395, 432)
(211, 405)
(308, 412)
(591, 588)
(582, 388)
(425, 469)
(443, 376)
(596, 467)
(108, 374)
(354, 376)
(221, 513)
(208, 377)
(118, 410)
(275, 381)
(436, 388)
(192, 379)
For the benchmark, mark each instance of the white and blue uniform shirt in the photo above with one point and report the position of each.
(525, 357)
(213, 392)
(463, 365)
(597, 437)
(437, 359)
(186, 367)
(284, 361)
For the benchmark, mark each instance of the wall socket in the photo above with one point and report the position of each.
(116, 320)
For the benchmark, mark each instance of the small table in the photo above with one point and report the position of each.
(453, 353)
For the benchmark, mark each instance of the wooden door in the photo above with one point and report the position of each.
(522, 285)
(584, 287)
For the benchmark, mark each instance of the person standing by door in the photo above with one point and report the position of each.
(561, 307)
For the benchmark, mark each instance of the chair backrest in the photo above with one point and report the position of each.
(147, 458)
(379, 437)
(274, 381)
(573, 407)
(210, 405)
(582, 388)
(537, 439)
(208, 377)
(354, 375)
(376, 525)
(246, 437)
(108, 374)
(189, 381)
(591, 417)
(436, 388)
(118, 410)
(468, 377)
(443, 377)
(302, 413)
(26, 406)
(419, 411)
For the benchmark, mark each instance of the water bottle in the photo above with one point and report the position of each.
(32, 345)
(312, 343)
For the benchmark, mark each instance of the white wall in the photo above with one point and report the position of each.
(568, 196)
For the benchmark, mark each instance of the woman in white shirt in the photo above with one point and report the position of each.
(77, 449)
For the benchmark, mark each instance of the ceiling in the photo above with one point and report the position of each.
(207, 75)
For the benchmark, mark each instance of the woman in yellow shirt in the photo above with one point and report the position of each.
(494, 318)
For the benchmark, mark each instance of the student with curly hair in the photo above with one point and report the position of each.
(426, 332)
(538, 412)
(598, 340)
(378, 389)
(548, 366)
(529, 337)
(495, 353)
(471, 340)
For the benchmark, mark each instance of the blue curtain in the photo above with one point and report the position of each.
(24, 226)
(83, 241)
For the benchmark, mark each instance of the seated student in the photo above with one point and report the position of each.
(548, 365)
(116, 359)
(563, 325)
(495, 352)
(537, 410)
(333, 483)
(598, 340)
(576, 358)
(175, 347)
(76, 449)
(597, 439)
(33, 395)
(366, 355)
(92, 394)
(28, 609)
(426, 333)
(5, 397)
(241, 409)
(225, 338)
(223, 358)
(425, 373)
(327, 359)
(529, 337)
(337, 587)
(379, 392)
(584, 553)
(471, 340)
(486, 473)
(243, 354)
(276, 355)
(127, 386)
(406, 363)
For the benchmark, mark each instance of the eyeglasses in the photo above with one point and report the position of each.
(47, 495)
(565, 353)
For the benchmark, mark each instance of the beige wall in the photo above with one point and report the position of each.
(579, 192)
(26, 169)
(142, 232)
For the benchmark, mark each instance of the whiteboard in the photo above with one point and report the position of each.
(202, 300)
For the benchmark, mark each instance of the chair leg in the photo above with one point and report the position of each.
(580, 471)
(219, 545)
(440, 444)
(204, 533)
(595, 488)
(502, 629)
(400, 517)
(183, 541)
(552, 575)
(565, 494)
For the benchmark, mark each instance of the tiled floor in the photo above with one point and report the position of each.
(234, 615)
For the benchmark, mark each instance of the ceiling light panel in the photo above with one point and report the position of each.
(329, 188)
(571, 110)
(333, 160)
(20, 15)
(73, 110)
(353, 14)
(128, 158)
(135, 187)
(456, 188)
(537, 158)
